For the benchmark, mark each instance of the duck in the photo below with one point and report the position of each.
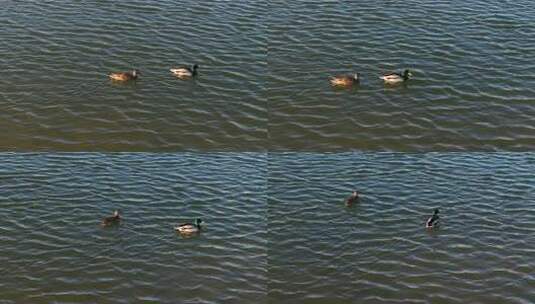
(124, 76)
(433, 221)
(395, 78)
(189, 228)
(112, 220)
(345, 80)
(353, 198)
(185, 72)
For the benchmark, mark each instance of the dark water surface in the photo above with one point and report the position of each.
(52, 249)
(379, 250)
(55, 95)
(473, 85)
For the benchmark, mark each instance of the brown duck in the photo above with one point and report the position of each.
(112, 220)
(353, 198)
(124, 76)
(345, 80)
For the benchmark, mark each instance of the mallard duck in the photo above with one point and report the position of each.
(188, 228)
(432, 222)
(345, 80)
(112, 220)
(395, 78)
(353, 198)
(124, 76)
(185, 72)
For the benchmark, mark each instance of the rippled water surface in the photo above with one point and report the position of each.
(473, 85)
(379, 250)
(55, 95)
(52, 249)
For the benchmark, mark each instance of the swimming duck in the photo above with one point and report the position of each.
(112, 220)
(185, 72)
(353, 198)
(124, 76)
(189, 228)
(395, 78)
(345, 80)
(432, 222)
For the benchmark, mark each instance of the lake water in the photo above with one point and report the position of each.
(473, 86)
(265, 70)
(276, 229)
(53, 249)
(55, 57)
(379, 251)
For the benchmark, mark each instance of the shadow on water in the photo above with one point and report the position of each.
(393, 87)
(125, 84)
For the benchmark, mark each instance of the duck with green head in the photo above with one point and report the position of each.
(185, 71)
(189, 228)
(395, 78)
(433, 221)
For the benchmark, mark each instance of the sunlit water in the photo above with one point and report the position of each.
(53, 249)
(55, 57)
(379, 250)
(264, 69)
(473, 84)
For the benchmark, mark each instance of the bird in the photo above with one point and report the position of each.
(112, 220)
(189, 228)
(433, 222)
(185, 72)
(124, 76)
(345, 80)
(353, 198)
(395, 78)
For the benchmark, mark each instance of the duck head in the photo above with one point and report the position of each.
(194, 69)
(407, 74)
(136, 73)
(436, 211)
(198, 222)
(116, 214)
(356, 76)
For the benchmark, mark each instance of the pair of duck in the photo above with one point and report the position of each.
(181, 72)
(432, 222)
(186, 228)
(349, 80)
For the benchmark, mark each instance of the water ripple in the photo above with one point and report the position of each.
(472, 90)
(379, 251)
(53, 249)
(55, 94)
